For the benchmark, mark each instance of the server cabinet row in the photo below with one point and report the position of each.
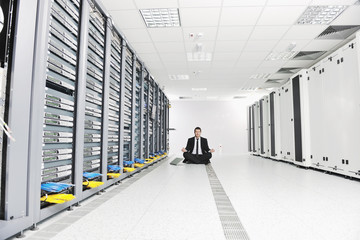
(93, 114)
(312, 120)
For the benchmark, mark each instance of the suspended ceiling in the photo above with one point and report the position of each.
(239, 35)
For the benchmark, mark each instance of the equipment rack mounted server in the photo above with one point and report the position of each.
(86, 104)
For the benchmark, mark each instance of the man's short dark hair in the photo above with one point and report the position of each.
(197, 128)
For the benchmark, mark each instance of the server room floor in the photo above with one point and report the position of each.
(274, 201)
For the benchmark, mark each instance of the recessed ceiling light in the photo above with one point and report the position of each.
(260, 76)
(199, 89)
(161, 17)
(179, 77)
(321, 14)
(274, 56)
(199, 56)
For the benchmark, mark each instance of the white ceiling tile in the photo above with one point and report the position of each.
(113, 5)
(235, 16)
(170, 47)
(235, 3)
(199, 67)
(234, 33)
(257, 45)
(333, 2)
(195, 17)
(304, 31)
(165, 34)
(207, 46)
(268, 32)
(156, 4)
(136, 35)
(143, 47)
(287, 2)
(200, 3)
(173, 57)
(225, 56)
(126, 19)
(321, 45)
(270, 66)
(254, 55)
(281, 15)
(229, 46)
(247, 64)
(179, 65)
(208, 33)
(284, 44)
(351, 16)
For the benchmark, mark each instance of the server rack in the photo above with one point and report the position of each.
(128, 150)
(93, 158)
(264, 126)
(69, 110)
(277, 118)
(114, 123)
(137, 110)
(145, 115)
(152, 115)
(249, 128)
(287, 127)
(256, 120)
(272, 128)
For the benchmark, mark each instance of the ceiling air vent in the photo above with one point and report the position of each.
(308, 55)
(275, 80)
(288, 70)
(338, 32)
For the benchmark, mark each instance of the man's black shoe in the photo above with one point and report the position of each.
(207, 162)
(185, 161)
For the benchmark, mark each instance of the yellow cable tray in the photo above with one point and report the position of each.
(92, 184)
(129, 169)
(57, 198)
(138, 165)
(113, 175)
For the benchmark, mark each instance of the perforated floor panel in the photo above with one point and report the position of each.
(233, 229)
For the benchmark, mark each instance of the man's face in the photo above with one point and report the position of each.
(197, 133)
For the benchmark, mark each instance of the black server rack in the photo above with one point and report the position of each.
(249, 129)
(137, 110)
(94, 94)
(272, 124)
(114, 124)
(152, 109)
(60, 92)
(146, 117)
(297, 118)
(127, 127)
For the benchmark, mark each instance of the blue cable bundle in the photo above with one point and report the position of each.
(90, 175)
(113, 168)
(55, 187)
(128, 162)
(138, 160)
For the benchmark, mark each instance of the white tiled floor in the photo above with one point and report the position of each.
(274, 201)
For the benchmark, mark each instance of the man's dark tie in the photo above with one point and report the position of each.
(197, 147)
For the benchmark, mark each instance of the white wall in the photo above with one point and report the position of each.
(223, 123)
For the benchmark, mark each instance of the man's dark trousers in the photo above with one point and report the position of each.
(197, 159)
